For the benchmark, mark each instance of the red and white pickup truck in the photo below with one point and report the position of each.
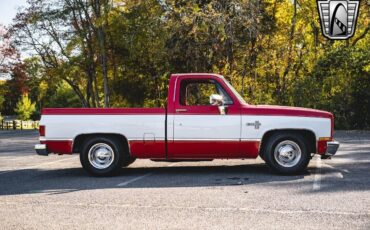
(205, 118)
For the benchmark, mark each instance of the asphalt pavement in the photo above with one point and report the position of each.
(54, 192)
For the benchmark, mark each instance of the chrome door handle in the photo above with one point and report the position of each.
(181, 110)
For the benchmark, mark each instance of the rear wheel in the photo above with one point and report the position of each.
(101, 156)
(287, 153)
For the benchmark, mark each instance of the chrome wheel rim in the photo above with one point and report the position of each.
(101, 156)
(287, 153)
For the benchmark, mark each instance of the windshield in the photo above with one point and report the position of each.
(240, 98)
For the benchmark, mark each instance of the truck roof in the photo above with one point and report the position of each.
(196, 74)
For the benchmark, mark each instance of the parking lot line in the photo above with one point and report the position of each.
(36, 166)
(340, 170)
(133, 180)
(140, 177)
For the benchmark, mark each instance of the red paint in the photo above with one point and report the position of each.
(194, 149)
(42, 130)
(321, 147)
(178, 149)
(212, 149)
(171, 93)
(332, 127)
(250, 148)
(61, 147)
(148, 149)
(101, 111)
(273, 110)
(174, 96)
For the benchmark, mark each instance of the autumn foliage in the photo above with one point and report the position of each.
(100, 53)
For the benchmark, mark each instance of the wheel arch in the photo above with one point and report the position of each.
(308, 134)
(81, 138)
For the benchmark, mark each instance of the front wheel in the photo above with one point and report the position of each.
(101, 156)
(287, 153)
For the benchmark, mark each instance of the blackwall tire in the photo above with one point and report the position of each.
(101, 156)
(287, 153)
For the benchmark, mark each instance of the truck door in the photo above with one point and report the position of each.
(199, 130)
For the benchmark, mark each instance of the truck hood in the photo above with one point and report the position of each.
(274, 110)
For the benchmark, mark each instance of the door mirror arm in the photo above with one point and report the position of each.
(222, 109)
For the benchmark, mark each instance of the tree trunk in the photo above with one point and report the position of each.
(290, 51)
(77, 90)
(97, 5)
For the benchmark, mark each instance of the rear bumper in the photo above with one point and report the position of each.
(41, 149)
(331, 149)
(54, 146)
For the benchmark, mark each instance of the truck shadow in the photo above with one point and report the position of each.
(355, 176)
(75, 179)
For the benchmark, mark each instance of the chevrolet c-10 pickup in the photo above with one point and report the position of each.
(205, 118)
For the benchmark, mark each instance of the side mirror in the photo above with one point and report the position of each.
(217, 100)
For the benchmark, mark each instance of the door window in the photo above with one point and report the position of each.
(197, 92)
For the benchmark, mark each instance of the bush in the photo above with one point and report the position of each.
(25, 108)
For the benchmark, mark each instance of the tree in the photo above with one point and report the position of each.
(25, 108)
(69, 36)
(14, 87)
(2, 99)
(8, 52)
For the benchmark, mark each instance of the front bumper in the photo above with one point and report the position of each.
(331, 149)
(41, 150)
